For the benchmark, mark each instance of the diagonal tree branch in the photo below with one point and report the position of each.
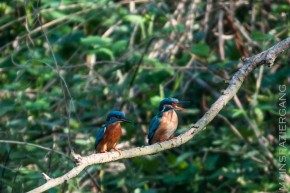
(267, 57)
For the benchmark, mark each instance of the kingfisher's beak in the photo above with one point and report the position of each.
(125, 119)
(177, 107)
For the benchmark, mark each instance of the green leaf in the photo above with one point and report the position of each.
(82, 142)
(40, 104)
(6, 106)
(180, 27)
(155, 100)
(183, 157)
(95, 41)
(260, 37)
(137, 19)
(56, 14)
(119, 46)
(200, 49)
(74, 123)
(106, 52)
(259, 114)
(238, 112)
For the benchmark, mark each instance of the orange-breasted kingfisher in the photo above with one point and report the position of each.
(163, 125)
(109, 135)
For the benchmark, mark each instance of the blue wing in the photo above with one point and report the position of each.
(100, 135)
(154, 124)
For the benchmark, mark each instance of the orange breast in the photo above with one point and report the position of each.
(167, 126)
(111, 137)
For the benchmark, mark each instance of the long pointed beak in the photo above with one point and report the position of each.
(177, 107)
(125, 119)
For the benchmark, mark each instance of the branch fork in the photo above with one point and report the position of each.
(46, 177)
(77, 157)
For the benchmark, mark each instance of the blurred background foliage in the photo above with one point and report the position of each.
(65, 64)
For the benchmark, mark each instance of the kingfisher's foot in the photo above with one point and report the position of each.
(116, 149)
(104, 151)
(172, 137)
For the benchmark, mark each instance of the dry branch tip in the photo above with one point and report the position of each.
(78, 158)
(46, 177)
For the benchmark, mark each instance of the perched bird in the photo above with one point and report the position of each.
(163, 125)
(109, 135)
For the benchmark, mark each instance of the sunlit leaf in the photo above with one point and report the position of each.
(95, 41)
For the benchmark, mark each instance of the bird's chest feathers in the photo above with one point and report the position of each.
(170, 119)
(113, 132)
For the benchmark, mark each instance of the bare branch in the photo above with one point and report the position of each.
(220, 34)
(266, 57)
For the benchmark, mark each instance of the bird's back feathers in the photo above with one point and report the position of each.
(154, 124)
(100, 135)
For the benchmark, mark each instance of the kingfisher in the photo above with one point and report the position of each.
(163, 125)
(109, 135)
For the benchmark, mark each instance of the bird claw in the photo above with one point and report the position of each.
(116, 149)
(172, 137)
(161, 140)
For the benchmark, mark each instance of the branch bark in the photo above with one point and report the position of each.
(267, 57)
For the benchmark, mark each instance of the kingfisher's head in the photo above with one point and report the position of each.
(170, 104)
(117, 116)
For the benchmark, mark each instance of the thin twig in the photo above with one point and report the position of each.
(239, 135)
(64, 85)
(34, 145)
(257, 133)
(221, 32)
